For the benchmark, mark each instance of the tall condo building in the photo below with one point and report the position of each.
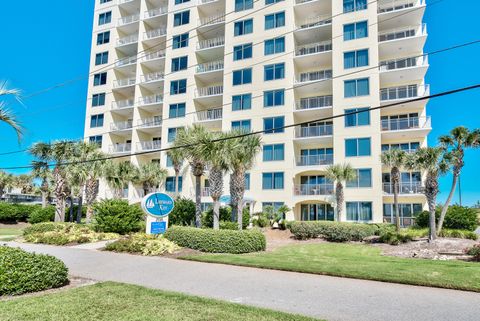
(158, 66)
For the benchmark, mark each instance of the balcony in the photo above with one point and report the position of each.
(403, 70)
(123, 62)
(120, 148)
(121, 125)
(314, 103)
(156, 12)
(318, 134)
(313, 82)
(393, 13)
(149, 145)
(212, 20)
(209, 115)
(313, 189)
(404, 188)
(314, 160)
(159, 54)
(155, 33)
(152, 77)
(128, 20)
(150, 100)
(123, 104)
(206, 191)
(124, 41)
(208, 91)
(310, 76)
(126, 82)
(400, 93)
(313, 29)
(412, 127)
(408, 40)
(313, 22)
(313, 53)
(150, 122)
(210, 48)
(210, 66)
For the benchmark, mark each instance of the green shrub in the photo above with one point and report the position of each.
(23, 272)
(459, 234)
(475, 252)
(260, 220)
(117, 216)
(40, 215)
(8, 213)
(217, 241)
(457, 217)
(24, 211)
(332, 231)
(225, 216)
(394, 238)
(144, 244)
(183, 213)
(226, 225)
(43, 227)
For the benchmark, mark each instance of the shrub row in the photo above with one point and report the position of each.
(457, 217)
(217, 241)
(64, 233)
(22, 272)
(13, 213)
(140, 243)
(334, 231)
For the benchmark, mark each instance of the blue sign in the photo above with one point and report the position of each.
(157, 204)
(225, 199)
(158, 227)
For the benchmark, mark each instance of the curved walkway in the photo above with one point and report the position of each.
(324, 297)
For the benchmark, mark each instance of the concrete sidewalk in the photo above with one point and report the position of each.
(324, 297)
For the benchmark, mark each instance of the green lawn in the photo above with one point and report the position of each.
(357, 261)
(118, 302)
(10, 233)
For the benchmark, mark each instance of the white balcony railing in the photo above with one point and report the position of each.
(302, 1)
(396, 5)
(210, 114)
(210, 66)
(126, 61)
(129, 19)
(403, 63)
(156, 12)
(404, 188)
(315, 160)
(154, 55)
(313, 189)
(206, 191)
(127, 40)
(404, 92)
(206, 21)
(119, 104)
(119, 83)
(209, 91)
(403, 33)
(119, 2)
(314, 22)
(149, 145)
(151, 77)
(121, 125)
(313, 76)
(120, 148)
(210, 43)
(406, 123)
(150, 100)
(313, 131)
(313, 48)
(150, 122)
(205, 1)
(314, 102)
(155, 33)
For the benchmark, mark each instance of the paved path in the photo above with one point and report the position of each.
(325, 297)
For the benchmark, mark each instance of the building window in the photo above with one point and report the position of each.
(242, 102)
(242, 52)
(101, 58)
(408, 211)
(354, 5)
(316, 156)
(274, 125)
(104, 18)
(100, 79)
(356, 87)
(181, 1)
(243, 27)
(178, 87)
(317, 212)
(275, 20)
(176, 110)
(247, 181)
(241, 5)
(361, 118)
(98, 100)
(355, 30)
(103, 38)
(242, 76)
(408, 147)
(104, 1)
(172, 133)
(359, 211)
(181, 18)
(179, 63)
(274, 46)
(274, 152)
(96, 121)
(272, 180)
(272, 1)
(274, 98)
(357, 147)
(180, 41)
(355, 59)
(96, 140)
(241, 125)
(170, 184)
(274, 72)
(363, 179)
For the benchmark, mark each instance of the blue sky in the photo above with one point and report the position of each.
(51, 41)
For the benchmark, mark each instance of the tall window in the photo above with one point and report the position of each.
(355, 59)
(354, 5)
(357, 147)
(274, 152)
(272, 180)
(101, 58)
(363, 179)
(274, 125)
(242, 76)
(170, 184)
(104, 18)
(243, 27)
(176, 110)
(178, 87)
(98, 100)
(172, 134)
(274, 46)
(355, 30)
(362, 118)
(96, 140)
(181, 18)
(247, 181)
(274, 98)
(242, 125)
(412, 146)
(356, 87)
(96, 121)
(275, 20)
(241, 102)
(274, 72)
(100, 79)
(180, 41)
(179, 63)
(181, 1)
(241, 5)
(103, 37)
(242, 52)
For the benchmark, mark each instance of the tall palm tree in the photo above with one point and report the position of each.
(42, 171)
(340, 173)
(193, 137)
(5, 115)
(6, 182)
(459, 139)
(149, 176)
(395, 160)
(118, 175)
(176, 156)
(241, 157)
(431, 161)
(96, 171)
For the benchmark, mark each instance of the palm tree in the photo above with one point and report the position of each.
(176, 156)
(241, 156)
(5, 115)
(6, 182)
(96, 171)
(431, 161)
(150, 176)
(340, 173)
(460, 138)
(395, 160)
(42, 171)
(118, 175)
(24, 182)
(194, 137)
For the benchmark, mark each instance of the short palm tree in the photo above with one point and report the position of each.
(6, 182)
(395, 160)
(241, 155)
(176, 156)
(42, 171)
(118, 175)
(431, 161)
(340, 173)
(193, 137)
(5, 115)
(149, 176)
(459, 139)
(25, 183)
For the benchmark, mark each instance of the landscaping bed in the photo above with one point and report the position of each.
(143, 244)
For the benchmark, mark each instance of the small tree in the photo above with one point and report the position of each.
(340, 173)
(149, 176)
(118, 175)
(176, 156)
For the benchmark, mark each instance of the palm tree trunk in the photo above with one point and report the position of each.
(447, 202)
(395, 177)
(44, 199)
(177, 174)
(70, 210)
(60, 209)
(431, 191)
(339, 199)
(79, 209)
(198, 201)
(216, 214)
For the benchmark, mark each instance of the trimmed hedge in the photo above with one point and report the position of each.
(117, 216)
(41, 215)
(457, 217)
(13, 213)
(217, 241)
(23, 272)
(334, 231)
